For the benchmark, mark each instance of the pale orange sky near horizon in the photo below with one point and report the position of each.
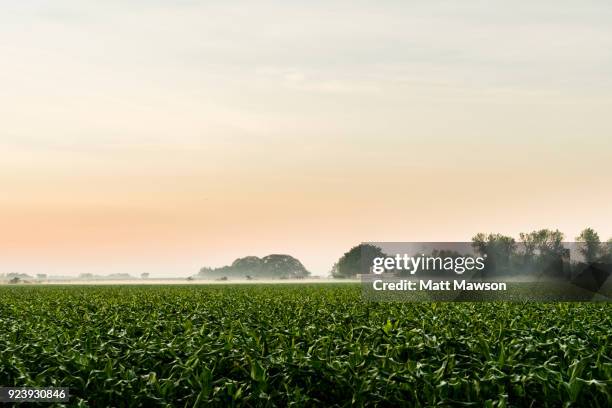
(162, 137)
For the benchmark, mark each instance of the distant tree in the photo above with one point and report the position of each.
(145, 275)
(529, 246)
(282, 265)
(190, 278)
(247, 264)
(354, 261)
(497, 248)
(204, 271)
(21, 276)
(41, 276)
(544, 251)
(544, 241)
(606, 251)
(590, 245)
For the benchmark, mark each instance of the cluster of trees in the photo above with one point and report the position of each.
(271, 266)
(593, 249)
(542, 250)
(42, 277)
(22, 277)
(355, 260)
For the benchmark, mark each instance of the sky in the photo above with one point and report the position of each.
(163, 136)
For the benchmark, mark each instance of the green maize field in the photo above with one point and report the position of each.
(300, 345)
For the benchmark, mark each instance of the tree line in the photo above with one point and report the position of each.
(541, 250)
